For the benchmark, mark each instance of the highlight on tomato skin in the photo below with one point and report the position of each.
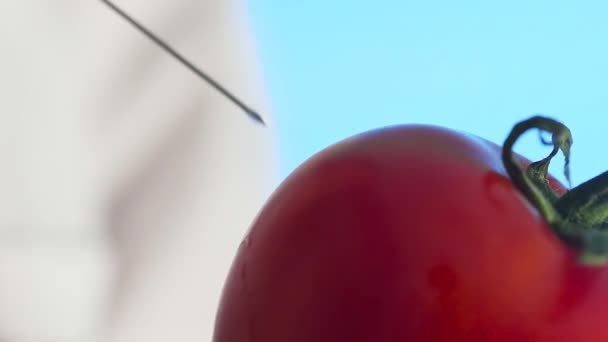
(408, 233)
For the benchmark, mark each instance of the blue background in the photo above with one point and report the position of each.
(337, 68)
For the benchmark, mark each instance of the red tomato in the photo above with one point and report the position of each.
(410, 233)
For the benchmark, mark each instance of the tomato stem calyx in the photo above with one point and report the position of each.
(580, 216)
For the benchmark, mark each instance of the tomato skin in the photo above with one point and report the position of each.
(408, 233)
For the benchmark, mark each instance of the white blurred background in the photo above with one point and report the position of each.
(126, 183)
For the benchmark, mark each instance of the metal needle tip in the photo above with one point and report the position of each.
(216, 85)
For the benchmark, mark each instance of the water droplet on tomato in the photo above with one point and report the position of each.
(243, 273)
(496, 186)
(443, 279)
(246, 243)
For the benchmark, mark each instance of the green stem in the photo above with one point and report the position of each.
(587, 204)
(578, 217)
(528, 182)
